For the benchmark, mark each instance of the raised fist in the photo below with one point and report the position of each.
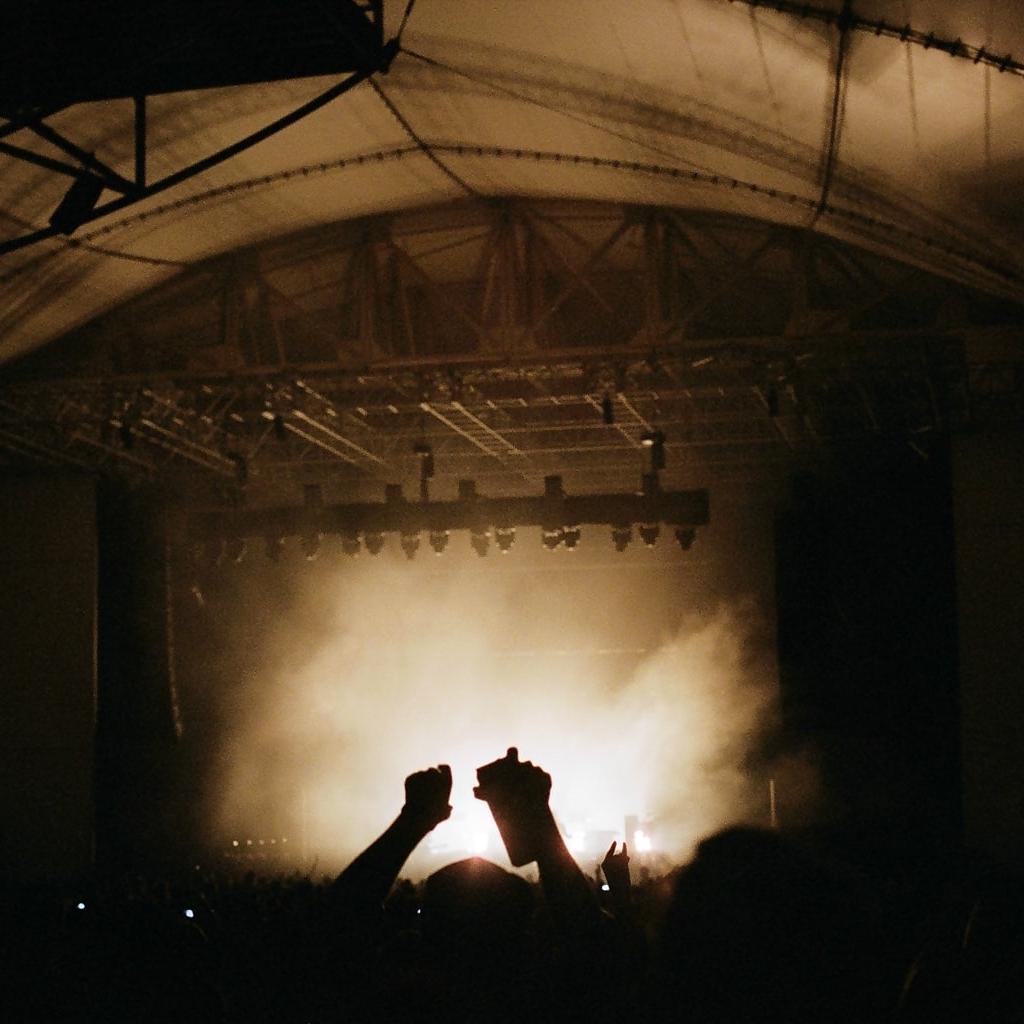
(509, 779)
(517, 793)
(427, 794)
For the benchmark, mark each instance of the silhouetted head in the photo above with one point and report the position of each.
(757, 930)
(475, 908)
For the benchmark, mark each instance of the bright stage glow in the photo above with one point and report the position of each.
(383, 672)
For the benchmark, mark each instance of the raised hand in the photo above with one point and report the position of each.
(365, 883)
(426, 796)
(517, 792)
(616, 871)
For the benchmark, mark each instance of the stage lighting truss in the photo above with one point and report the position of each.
(559, 516)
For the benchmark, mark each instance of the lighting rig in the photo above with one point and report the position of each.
(559, 516)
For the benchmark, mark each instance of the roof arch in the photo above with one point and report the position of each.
(891, 126)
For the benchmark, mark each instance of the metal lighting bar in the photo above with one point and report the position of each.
(681, 509)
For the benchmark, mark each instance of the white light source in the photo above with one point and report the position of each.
(641, 841)
(81, 906)
(190, 913)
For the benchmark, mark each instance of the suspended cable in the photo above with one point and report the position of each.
(405, 19)
(578, 118)
(423, 146)
(836, 114)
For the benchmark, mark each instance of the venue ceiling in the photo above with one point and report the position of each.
(301, 245)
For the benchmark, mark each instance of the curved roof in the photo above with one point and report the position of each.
(915, 150)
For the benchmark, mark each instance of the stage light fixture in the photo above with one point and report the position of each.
(350, 543)
(551, 539)
(439, 541)
(275, 547)
(649, 533)
(310, 545)
(410, 544)
(505, 537)
(571, 537)
(685, 537)
(374, 541)
(621, 536)
(481, 541)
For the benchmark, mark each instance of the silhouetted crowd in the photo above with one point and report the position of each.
(755, 928)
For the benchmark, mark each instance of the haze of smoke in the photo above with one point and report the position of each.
(410, 678)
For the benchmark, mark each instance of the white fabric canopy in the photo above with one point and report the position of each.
(690, 103)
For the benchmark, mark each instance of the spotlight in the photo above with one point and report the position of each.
(235, 549)
(481, 541)
(571, 536)
(505, 537)
(78, 203)
(310, 544)
(439, 541)
(551, 538)
(275, 547)
(350, 543)
(374, 542)
(649, 533)
(621, 536)
(410, 544)
(685, 537)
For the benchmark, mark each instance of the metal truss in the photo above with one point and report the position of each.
(559, 515)
(46, 73)
(514, 340)
(846, 19)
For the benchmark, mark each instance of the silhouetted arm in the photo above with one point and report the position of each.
(616, 873)
(567, 892)
(518, 792)
(369, 878)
